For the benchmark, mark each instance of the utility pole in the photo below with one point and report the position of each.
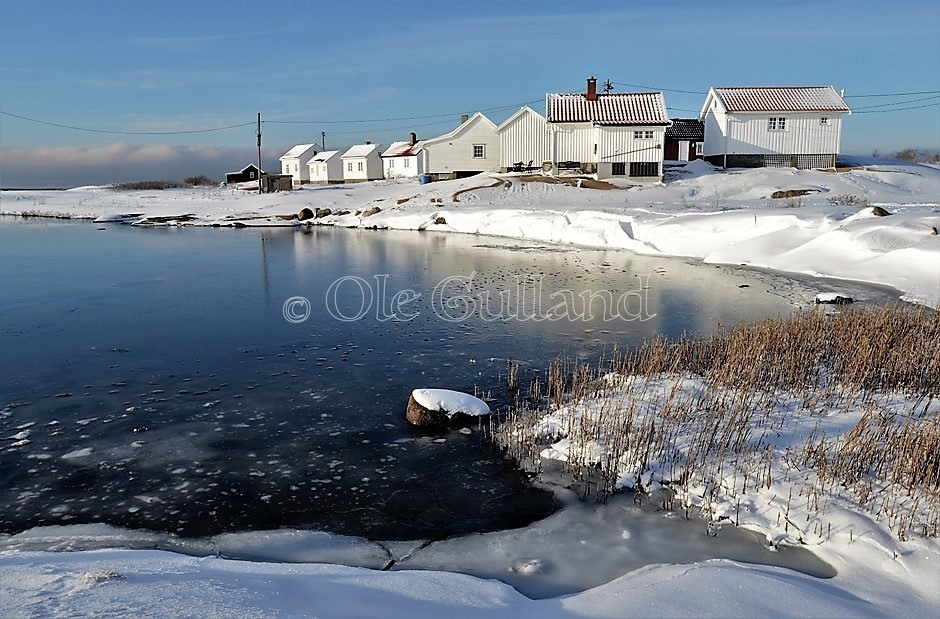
(259, 153)
(323, 140)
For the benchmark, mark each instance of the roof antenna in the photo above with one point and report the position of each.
(608, 87)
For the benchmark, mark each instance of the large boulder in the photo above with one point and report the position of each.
(436, 407)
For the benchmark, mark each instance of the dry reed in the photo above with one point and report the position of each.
(700, 418)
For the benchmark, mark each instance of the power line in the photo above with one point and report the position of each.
(896, 94)
(897, 103)
(688, 92)
(53, 124)
(899, 109)
(403, 118)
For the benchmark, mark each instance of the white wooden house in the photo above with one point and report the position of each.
(363, 162)
(326, 167)
(609, 135)
(471, 148)
(792, 126)
(404, 159)
(295, 162)
(523, 140)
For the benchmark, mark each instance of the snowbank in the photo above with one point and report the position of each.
(719, 217)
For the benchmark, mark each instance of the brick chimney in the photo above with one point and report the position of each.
(464, 118)
(591, 89)
(413, 139)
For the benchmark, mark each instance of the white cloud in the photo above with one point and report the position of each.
(68, 166)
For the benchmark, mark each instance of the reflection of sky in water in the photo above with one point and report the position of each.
(160, 363)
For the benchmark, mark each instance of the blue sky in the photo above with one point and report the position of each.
(416, 66)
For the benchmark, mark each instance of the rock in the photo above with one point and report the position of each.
(877, 211)
(440, 221)
(833, 298)
(438, 407)
(372, 211)
(322, 212)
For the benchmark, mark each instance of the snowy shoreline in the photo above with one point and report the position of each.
(730, 218)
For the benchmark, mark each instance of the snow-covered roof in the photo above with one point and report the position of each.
(250, 166)
(298, 151)
(781, 99)
(525, 109)
(629, 108)
(686, 129)
(324, 156)
(477, 117)
(402, 149)
(361, 150)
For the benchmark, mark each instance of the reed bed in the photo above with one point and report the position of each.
(784, 417)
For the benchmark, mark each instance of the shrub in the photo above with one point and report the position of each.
(848, 200)
(147, 185)
(200, 181)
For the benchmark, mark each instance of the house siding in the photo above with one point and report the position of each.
(525, 139)
(449, 155)
(618, 144)
(573, 142)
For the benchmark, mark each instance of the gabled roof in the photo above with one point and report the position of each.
(477, 117)
(246, 168)
(525, 109)
(361, 150)
(630, 108)
(402, 149)
(691, 129)
(781, 99)
(324, 156)
(298, 151)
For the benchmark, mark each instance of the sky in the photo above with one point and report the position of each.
(173, 89)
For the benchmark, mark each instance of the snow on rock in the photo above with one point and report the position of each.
(437, 406)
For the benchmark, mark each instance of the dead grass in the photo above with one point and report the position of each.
(706, 436)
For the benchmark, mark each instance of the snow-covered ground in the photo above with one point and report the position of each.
(720, 217)
(698, 212)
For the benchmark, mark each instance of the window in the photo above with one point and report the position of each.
(251, 175)
(479, 151)
(644, 168)
(349, 166)
(618, 168)
(777, 123)
(824, 120)
(360, 166)
(642, 135)
(391, 164)
(407, 163)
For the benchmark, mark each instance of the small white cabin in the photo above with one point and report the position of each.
(363, 162)
(608, 135)
(295, 162)
(404, 159)
(326, 167)
(523, 141)
(470, 149)
(792, 126)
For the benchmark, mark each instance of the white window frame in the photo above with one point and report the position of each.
(407, 163)
(823, 120)
(349, 166)
(360, 167)
(777, 123)
(642, 134)
(391, 163)
(482, 151)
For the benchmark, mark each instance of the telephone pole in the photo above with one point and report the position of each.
(323, 140)
(259, 153)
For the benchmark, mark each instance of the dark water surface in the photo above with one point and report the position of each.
(150, 380)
